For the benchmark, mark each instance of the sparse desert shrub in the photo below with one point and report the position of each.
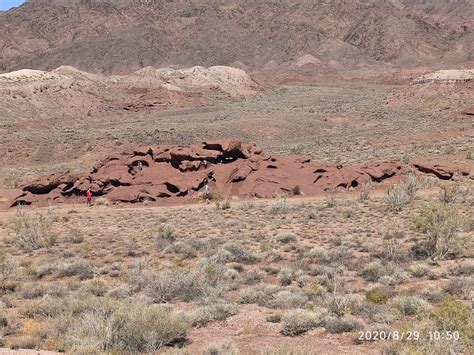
(120, 292)
(76, 267)
(459, 286)
(108, 325)
(9, 267)
(75, 237)
(330, 200)
(421, 270)
(287, 299)
(253, 277)
(321, 255)
(373, 271)
(25, 342)
(411, 186)
(285, 277)
(313, 214)
(46, 269)
(274, 317)
(462, 268)
(95, 287)
(185, 249)
(434, 295)
(223, 348)
(132, 246)
(343, 324)
(234, 252)
(399, 196)
(12, 180)
(273, 256)
(222, 205)
(450, 193)
(345, 304)
(393, 245)
(213, 272)
(173, 284)
(440, 224)
(261, 294)
(286, 237)
(364, 192)
(101, 201)
(411, 305)
(452, 316)
(212, 311)
(32, 231)
(298, 321)
(376, 295)
(396, 199)
(288, 349)
(36, 290)
(303, 280)
(165, 236)
(375, 312)
(281, 206)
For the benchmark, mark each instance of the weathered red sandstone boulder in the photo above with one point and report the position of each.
(172, 173)
(444, 172)
(48, 183)
(469, 111)
(224, 145)
(382, 171)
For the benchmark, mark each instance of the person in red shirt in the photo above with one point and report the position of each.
(89, 197)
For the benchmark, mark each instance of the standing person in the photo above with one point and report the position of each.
(206, 191)
(88, 197)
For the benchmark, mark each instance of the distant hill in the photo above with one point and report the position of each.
(105, 36)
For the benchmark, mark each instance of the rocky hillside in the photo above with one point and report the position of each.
(66, 91)
(105, 36)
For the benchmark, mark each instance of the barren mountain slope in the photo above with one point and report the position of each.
(123, 36)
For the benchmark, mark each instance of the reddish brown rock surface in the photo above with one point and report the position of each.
(178, 173)
(469, 111)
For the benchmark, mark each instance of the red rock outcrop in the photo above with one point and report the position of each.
(469, 111)
(178, 173)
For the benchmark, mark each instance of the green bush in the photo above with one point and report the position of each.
(376, 295)
(451, 316)
(455, 315)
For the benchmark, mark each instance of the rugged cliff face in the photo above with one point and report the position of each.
(106, 36)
